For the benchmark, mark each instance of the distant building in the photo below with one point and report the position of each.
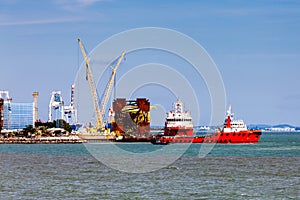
(17, 115)
(281, 129)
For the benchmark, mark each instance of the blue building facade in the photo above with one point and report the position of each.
(17, 115)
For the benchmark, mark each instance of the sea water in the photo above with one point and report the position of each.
(269, 169)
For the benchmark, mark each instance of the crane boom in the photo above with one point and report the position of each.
(110, 83)
(93, 90)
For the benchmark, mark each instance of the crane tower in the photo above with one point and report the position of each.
(56, 106)
(99, 110)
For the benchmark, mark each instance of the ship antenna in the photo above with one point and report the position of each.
(229, 111)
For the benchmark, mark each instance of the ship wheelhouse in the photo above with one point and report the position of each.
(178, 121)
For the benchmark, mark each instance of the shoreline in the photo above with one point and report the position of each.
(43, 140)
(86, 138)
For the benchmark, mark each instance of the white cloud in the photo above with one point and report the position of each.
(41, 21)
(76, 4)
(87, 2)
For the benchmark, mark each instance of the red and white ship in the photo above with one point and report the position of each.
(178, 122)
(179, 129)
(234, 131)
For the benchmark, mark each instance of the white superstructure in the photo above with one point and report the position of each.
(232, 125)
(178, 117)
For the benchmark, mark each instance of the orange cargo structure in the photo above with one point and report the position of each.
(132, 117)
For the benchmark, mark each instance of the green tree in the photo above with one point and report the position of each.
(29, 130)
(67, 127)
(60, 123)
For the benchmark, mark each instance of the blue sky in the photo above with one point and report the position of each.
(255, 45)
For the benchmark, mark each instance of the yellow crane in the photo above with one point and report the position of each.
(110, 82)
(93, 90)
(99, 112)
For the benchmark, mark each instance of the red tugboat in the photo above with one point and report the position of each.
(234, 131)
(177, 130)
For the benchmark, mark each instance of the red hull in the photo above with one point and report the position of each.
(249, 136)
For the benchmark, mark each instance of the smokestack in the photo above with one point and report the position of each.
(72, 95)
(1, 113)
(35, 107)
